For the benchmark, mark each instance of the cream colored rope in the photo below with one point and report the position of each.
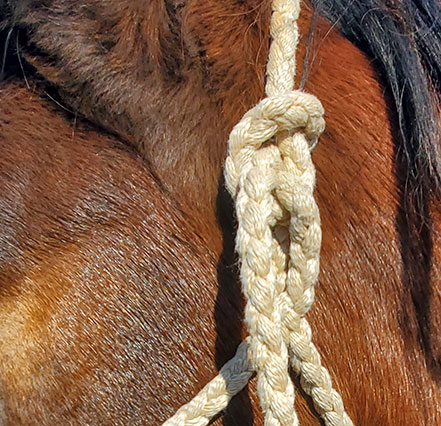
(215, 396)
(270, 175)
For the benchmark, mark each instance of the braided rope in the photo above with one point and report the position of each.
(215, 396)
(270, 175)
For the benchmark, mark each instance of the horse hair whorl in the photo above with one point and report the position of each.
(270, 175)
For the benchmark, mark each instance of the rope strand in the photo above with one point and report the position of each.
(216, 395)
(270, 175)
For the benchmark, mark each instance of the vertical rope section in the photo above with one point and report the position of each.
(270, 175)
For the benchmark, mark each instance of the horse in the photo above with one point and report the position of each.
(119, 293)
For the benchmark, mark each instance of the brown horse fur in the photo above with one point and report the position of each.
(117, 291)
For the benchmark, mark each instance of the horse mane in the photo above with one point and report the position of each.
(403, 37)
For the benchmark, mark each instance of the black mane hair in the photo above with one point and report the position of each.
(404, 39)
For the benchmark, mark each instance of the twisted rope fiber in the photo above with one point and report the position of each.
(270, 175)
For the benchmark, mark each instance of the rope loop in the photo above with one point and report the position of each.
(290, 113)
(270, 175)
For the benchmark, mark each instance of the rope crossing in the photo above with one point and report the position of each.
(270, 175)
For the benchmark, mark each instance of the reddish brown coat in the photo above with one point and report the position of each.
(117, 291)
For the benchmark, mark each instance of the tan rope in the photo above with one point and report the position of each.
(270, 175)
(214, 397)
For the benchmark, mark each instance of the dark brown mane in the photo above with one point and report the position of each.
(404, 39)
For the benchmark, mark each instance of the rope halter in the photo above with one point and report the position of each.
(270, 175)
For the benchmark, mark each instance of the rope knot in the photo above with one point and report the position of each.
(290, 113)
(270, 175)
(295, 111)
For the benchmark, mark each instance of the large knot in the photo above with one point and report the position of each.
(292, 112)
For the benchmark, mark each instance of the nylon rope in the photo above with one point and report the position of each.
(271, 177)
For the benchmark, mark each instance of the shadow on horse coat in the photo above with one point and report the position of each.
(118, 298)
